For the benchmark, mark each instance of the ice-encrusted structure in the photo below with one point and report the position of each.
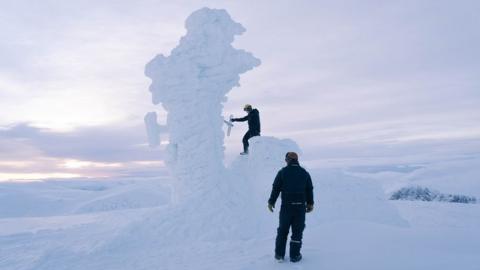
(191, 84)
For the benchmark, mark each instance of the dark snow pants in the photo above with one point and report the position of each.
(290, 216)
(246, 137)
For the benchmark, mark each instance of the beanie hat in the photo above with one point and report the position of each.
(247, 107)
(291, 156)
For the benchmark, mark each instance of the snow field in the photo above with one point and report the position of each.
(347, 230)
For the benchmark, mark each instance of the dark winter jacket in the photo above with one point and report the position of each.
(253, 118)
(294, 183)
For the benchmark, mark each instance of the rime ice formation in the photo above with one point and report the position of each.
(153, 129)
(191, 84)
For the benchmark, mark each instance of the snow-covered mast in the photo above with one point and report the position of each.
(191, 84)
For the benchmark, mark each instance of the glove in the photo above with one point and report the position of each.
(270, 207)
(309, 208)
(232, 120)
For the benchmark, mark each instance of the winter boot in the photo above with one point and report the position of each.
(296, 258)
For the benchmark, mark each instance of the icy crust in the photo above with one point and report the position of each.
(191, 84)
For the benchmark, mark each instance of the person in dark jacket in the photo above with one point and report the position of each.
(296, 186)
(253, 118)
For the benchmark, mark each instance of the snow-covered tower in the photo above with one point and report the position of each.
(191, 84)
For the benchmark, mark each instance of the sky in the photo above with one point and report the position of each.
(352, 82)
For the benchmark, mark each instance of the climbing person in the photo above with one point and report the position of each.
(295, 184)
(253, 118)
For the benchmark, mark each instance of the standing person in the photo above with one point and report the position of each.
(253, 118)
(295, 184)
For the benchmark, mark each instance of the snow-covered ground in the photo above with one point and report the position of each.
(117, 224)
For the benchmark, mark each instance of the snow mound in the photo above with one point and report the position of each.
(418, 193)
(269, 152)
(266, 157)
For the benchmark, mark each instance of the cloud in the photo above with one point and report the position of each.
(102, 144)
(31, 152)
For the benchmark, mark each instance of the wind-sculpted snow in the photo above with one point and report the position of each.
(191, 84)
